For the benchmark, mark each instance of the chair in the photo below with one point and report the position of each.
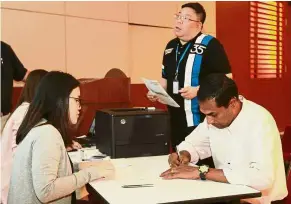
(115, 72)
(287, 160)
(286, 147)
(286, 141)
(113, 91)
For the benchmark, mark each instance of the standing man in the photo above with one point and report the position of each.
(187, 59)
(11, 69)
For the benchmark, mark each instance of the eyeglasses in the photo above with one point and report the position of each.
(184, 19)
(78, 100)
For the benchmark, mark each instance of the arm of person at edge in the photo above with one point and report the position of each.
(20, 72)
(26, 74)
(196, 146)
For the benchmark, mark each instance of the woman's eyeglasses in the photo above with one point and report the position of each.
(78, 100)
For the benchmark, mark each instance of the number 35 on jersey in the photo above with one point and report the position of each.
(197, 49)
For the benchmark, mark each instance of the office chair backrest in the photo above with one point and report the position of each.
(286, 140)
(114, 72)
(288, 178)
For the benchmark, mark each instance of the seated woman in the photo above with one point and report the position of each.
(8, 138)
(42, 171)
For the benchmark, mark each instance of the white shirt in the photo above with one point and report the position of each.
(249, 151)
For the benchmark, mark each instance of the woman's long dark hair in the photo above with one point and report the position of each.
(29, 89)
(30, 86)
(51, 102)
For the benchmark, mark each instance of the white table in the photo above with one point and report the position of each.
(144, 170)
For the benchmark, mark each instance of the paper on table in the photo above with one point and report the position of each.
(105, 168)
(87, 154)
(156, 88)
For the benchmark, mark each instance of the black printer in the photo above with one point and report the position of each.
(132, 132)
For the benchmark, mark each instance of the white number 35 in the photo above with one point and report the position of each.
(198, 49)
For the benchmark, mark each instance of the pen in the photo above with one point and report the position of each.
(177, 150)
(138, 186)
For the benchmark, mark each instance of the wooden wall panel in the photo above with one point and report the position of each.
(102, 10)
(55, 7)
(93, 47)
(152, 13)
(37, 38)
(147, 46)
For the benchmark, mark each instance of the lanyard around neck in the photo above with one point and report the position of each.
(181, 58)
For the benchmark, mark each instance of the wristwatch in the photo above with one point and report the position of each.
(203, 170)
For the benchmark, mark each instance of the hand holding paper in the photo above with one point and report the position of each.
(159, 93)
(189, 92)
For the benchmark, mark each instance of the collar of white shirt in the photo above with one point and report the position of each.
(240, 119)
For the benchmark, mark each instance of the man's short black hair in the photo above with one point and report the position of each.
(218, 87)
(199, 10)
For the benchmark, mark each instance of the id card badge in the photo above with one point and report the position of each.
(175, 87)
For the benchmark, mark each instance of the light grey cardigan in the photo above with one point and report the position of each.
(41, 171)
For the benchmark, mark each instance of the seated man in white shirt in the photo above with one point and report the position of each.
(240, 135)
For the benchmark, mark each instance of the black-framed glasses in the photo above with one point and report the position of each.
(184, 18)
(78, 100)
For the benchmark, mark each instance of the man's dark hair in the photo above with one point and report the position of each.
(30, 86)
(198, 9)
(51, 102)
(218, 87)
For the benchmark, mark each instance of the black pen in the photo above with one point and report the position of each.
(138, 186)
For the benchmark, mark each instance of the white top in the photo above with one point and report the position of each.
(249, 151)
(147, 170)
(8, 147)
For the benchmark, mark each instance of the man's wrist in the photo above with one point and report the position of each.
(203, 170)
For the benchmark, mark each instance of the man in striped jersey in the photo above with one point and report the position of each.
(188, 58)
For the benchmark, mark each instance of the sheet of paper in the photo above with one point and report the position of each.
(87, 154)
(156, 88)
